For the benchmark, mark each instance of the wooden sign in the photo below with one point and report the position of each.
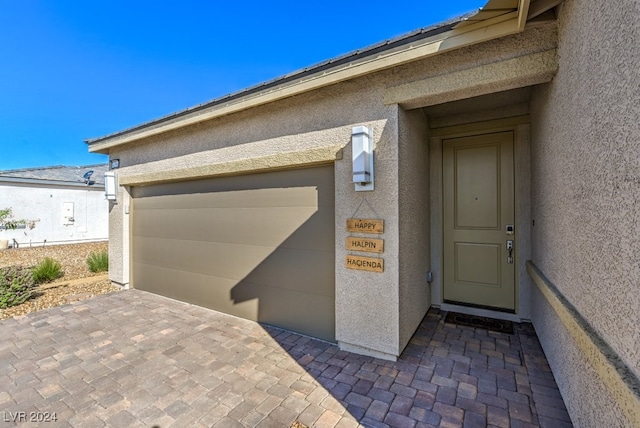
(364, 225)
(365, 263)
(365, 244)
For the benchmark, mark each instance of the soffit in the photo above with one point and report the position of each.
(493, 101)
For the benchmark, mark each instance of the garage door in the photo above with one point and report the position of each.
(258, 246)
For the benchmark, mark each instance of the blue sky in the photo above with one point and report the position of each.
(72, 70)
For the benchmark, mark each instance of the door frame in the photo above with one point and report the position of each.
(519, 125)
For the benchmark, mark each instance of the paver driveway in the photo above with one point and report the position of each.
(136, 359)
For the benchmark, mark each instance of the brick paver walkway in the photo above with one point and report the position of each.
(136, 359)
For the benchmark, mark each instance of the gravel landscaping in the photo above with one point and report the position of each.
(77, 283)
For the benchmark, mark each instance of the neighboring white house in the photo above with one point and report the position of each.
(70, 207)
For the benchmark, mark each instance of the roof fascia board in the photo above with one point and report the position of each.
(479, 32)
(523, 13)
(36, 181)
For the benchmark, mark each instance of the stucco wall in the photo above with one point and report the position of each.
(324, 118)
(119, 238)
(586, 193)
(414, 235)
(300, 123)
(45, 203)
(589, 402)
(303, 119)
(331, 107)
(367, 302)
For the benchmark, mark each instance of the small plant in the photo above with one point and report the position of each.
(16, 286)
(47, 270)
(8, 222)
(98, 262)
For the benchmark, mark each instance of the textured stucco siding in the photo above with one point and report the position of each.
(301, 121)
(457, 74)
(299, 124)
(586, 194)
(485, 79)
(45, 203)
(330, 107)
(119, 244)
(374, 311)
(414, 234)
(589, 402)
(367, 302)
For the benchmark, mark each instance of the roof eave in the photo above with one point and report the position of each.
(455, 38)
(43, 182)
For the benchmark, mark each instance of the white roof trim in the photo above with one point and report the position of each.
(41, 182)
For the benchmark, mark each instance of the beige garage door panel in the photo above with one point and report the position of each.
(269, 227)
(309, 310)
(260, 247)
(276, 267)
(249, 301)
(296, 196)
(230, 187)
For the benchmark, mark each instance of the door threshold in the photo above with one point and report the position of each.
(487, 313)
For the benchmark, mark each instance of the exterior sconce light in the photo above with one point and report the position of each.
(114, 163)
(110, 186)
(362, 145)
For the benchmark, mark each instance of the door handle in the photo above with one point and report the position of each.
(510, 249)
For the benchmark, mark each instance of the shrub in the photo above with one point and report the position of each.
(8, 222)
(47, 270)
(98, 262)
(16, 286)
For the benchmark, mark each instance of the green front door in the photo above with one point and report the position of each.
(478, 207)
